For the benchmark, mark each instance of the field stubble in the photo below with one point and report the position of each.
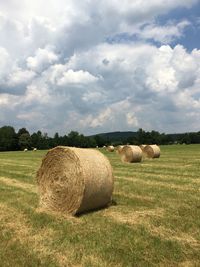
(155, 220)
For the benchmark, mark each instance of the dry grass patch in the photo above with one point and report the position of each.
(155, 222)
(18, 184)
(135, 196)
(144, 218)
(133, 217)
(39, 242)
(169, 234)
(161, 184)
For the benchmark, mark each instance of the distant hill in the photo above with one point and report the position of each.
(117, 136)
(152, 137)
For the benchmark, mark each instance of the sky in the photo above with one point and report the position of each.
(100, 66)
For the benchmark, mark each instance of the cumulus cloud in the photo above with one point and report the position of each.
(131, 120)
(76, 77)
(164, 34)
(58, 72)
(43, 58)
(5, 63)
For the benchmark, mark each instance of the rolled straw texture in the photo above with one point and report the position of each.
(152, 151)
(142, 147)
(74, 180)
(131, 154)
(110, 148)
(119, 149)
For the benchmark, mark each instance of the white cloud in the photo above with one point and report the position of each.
(76, 77)
(164, 34)
(29, 116)
(132, 120)
(94, 122)
(19, 77)
(37, 94)
(42, 59)
(49, 50)
(172, 69)
(120, 112)
(5, 63)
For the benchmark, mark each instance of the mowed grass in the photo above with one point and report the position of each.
(154, 219)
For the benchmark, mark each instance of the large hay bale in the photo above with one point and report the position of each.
(74, 180)
(151, 151)
(119, 149)
(142, 147)
(25, 149)
(110, 148)
(131, 154)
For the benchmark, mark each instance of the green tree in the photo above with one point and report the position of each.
(73, 138)
(8, 138)
(99, 140)
(22, 131)
(186, 139)
(25, 141)
(57, 140)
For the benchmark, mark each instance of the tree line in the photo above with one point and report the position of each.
(10, 140)
(154, 137)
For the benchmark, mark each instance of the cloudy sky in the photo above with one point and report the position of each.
(100, 66)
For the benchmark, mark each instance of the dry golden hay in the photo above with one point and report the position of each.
(151, 151)
(142, 147)
(110, 148)
(74, 180)
(131, 154)
(119, 149)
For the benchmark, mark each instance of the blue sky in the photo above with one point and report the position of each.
(99, 66)
(191, 37)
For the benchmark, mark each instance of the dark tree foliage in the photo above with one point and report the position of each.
(99, 140)
(22, 131)
(10, 140)
(24, 141)
(154, 137)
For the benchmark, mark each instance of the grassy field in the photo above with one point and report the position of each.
(155, 221)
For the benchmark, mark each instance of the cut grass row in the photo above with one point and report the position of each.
(155, 221)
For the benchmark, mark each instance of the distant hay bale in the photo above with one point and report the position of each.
(131, 154)
(119, 149)
(142, 147)
(34, 149)
(151, 151)
(25, 149)
(74, 180)
(110, 148)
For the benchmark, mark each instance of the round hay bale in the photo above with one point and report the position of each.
(110, 148)
(74, 180)
(131, 154)
(152, 151)
(34, 149)
(25, 149)
(119, 149)
(142, 147)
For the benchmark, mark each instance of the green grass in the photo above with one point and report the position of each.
(155, 222)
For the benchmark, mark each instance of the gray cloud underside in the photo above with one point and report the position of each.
(58, 73)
